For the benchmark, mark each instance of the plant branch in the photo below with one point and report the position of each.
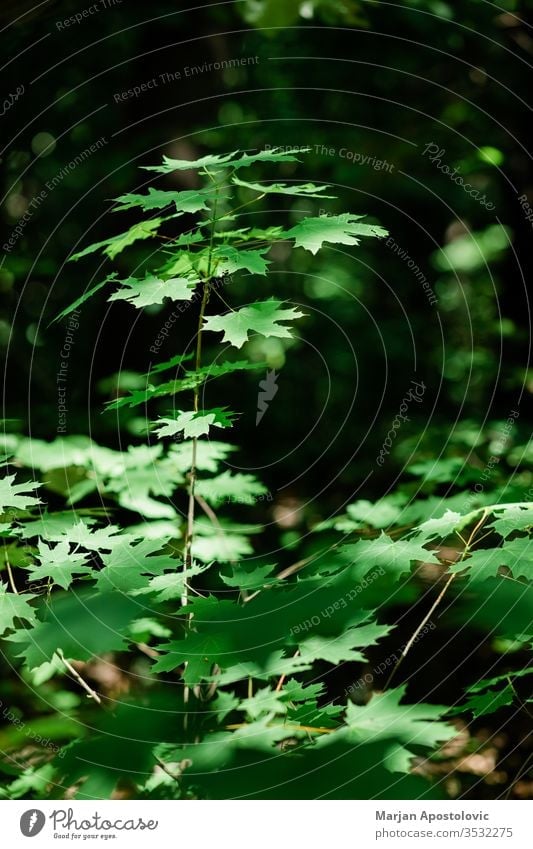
(281, 681)
(11, 578)
(285, 573)
(437, 601)
(196, 398)
(90, 692)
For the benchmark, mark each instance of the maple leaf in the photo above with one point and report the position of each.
(262, 317)
(59, 564)
(384, 717)
(169, 165)
(14, 606)
(16, 494)
(186, 201)
(311, 233)
(152, 290)
(227, 259)
(116, 244)
(238, 488)
(128, 565)
(194, 424)
(297, 190)
(82, 625)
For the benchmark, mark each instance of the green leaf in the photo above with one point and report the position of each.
(380, 514)
(262, 769)
(297, 190)
(172, 363)
(210, 161)
(443, 527)
(128, 567)
(395, 557)
(97, 539)
(485, 683)
(444, 470)
(481, 564)
(194, 424)
(60, 453)
(227, 259)
(265, 702)
(116, 244)
(343, 648)
(152, 290)
(517, 555)
(186, 201)
(185, 384)
(512, 517)
(59, 564)
(232, 160)
(82, 625)
(85, 297)
(311, 233)
(273, 155)
(236, 488)
(187, 239)
(384, 717)
(246, 578)
(172, 585)
(482, 704)
(209, 455)
(14, 606)
(262, 317)
(133, 489)
(53, 526)
(501, 607)
(16, 494)
(225, 544)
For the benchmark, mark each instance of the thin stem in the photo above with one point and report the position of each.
(310, 728)
(188, 559)
(437, 601)
(90, 692)
(148, 650)
(213, 518)
(281, 681)
(192, 471)
(11, 578)
(285, 573)
(196, 399)
(168, 771)
(418, 629)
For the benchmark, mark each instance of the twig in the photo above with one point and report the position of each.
(309, 728)
(285, 573)
(187, 560)
(90, 692)
(418, 629)
(147, 650)
(192, 472)
(209, 512)
(281, 681)
(165, 768)
(436, 603)
(11, 578)
(518, 696)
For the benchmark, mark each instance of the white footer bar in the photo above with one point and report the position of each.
(263, 825)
